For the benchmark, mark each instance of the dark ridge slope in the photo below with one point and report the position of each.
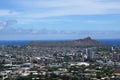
(80, 42)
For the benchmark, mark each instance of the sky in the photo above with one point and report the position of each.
(59, 19)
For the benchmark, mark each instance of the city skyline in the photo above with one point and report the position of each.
(59, 19)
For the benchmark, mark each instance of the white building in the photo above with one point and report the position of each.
(27, 66)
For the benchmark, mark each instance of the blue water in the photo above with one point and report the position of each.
(110, 41)
(13, 43)
(25, 42)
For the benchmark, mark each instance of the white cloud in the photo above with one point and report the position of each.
(19, 31)
(8, 13)
(5, 24)
(50, 8)
(70, 7)
(37, 11)
(40, 10)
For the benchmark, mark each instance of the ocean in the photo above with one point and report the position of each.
(25, 42)
(113, 42)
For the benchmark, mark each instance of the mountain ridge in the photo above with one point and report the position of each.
(88, 41)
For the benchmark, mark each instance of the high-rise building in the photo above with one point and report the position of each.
(116, 57)
(90, 53)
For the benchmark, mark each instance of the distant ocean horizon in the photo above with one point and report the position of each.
(25, 42)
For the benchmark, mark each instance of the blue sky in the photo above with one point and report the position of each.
(59, 19)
